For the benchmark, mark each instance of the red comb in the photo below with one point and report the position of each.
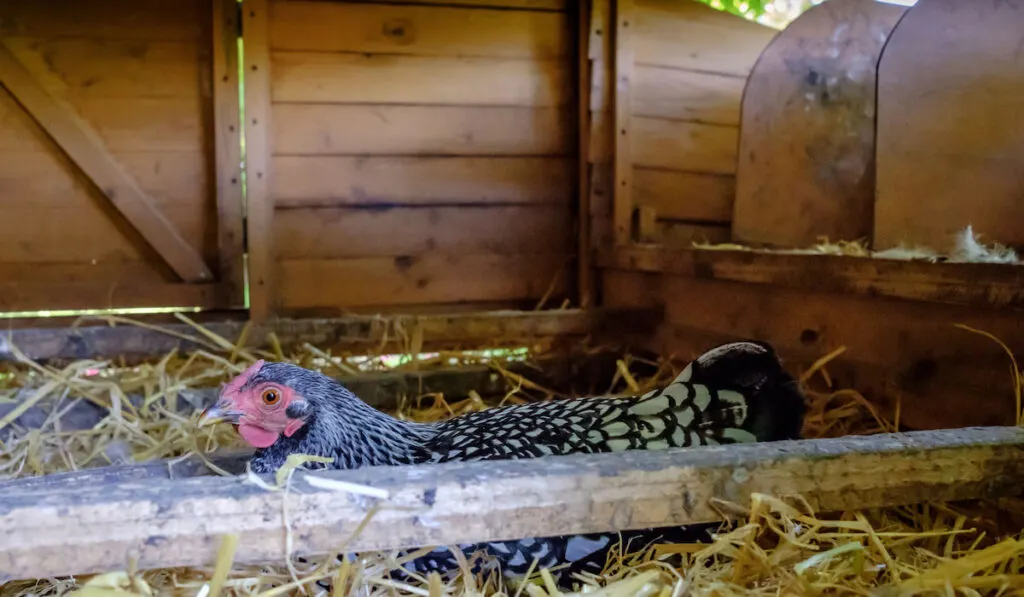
(235, 384)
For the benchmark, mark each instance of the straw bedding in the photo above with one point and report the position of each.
(779, 548)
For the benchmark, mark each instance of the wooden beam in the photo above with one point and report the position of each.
(585, 280)
(88, 151)
(18, 297)
(258, 151)
(171, 523)
(624, 62)
(228, 151)
(974, 284)
(368, 332)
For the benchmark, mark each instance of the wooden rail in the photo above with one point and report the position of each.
(73, 526)
(973, 284)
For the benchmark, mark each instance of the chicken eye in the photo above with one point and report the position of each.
(271, 396)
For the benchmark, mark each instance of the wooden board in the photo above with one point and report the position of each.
(691, 35)
(141, 21)
(680, 94)
(420, 130)
(623, 131)
(176, 523)
(419, 30)
(806, 160)
(943, 376)
(692, 196)
(428, 278)
(312, 181)
(355, 233)
(950, 139)
(687, 146)
(308, 77)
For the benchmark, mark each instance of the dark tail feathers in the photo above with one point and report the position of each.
(776, 407)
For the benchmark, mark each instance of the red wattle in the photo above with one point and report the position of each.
(257, 437)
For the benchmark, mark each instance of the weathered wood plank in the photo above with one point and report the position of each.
(976, 284)
(419, 30)
(623, 205)
(88, 151)
(228, 151)
(30, 297)
(170, 523)
(585, 286)
(259, 147)
(694, 196)
(680, 94)
(351, 333)
(136, 20)
(686, 146)
(319, 181)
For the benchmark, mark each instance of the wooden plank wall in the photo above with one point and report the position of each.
(138, 72)
(691, 66)
(423, 154)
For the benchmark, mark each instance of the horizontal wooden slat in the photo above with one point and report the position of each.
(684, 234)
(557, 5)
(689, 34)
(431, 278)
(488, 501)
(87, 232)
(678, 94)
(389, 79)
(353, 333)
(981, 284)
(418, 30)
(114, 68)
(379, 180)
(325, 233)
(143, 21)
(688, 146)
(97, 294)
(685, 195)
(419, 130)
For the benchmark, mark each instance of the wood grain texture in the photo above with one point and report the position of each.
(420, 30)
(943, 376)
(345, 233)
(585, 270)
(600, 134)
(83, 146)
(134, 20)
(693, 196)
(423, 181)
(260, 145)
(421, 130)
(679, 94)
(94, 340)
(692, 35)
(816, 82)
(687, 146)
(428, 278)
(228, 152)
(488, 501)
(673, 233)
(308, 77)
(90, 294)
(950, 138)
(623, 206)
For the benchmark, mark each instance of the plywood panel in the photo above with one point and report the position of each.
(950, 136)
(339, 232)
(679, 94)
(688, 146)
(685, 195)
(419, 130)
(387, 79)
(687, 34)
(182, 20)
(807, 149)
(432, 278)
(419, 30)
(321, 181)
(113, 68)
(902, 347)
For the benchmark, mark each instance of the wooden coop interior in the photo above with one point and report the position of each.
(647, 175)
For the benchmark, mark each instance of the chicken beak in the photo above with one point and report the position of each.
(221, 412)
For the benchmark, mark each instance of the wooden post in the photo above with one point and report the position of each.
(623, 193)
(228, 153)
(88, 151)
(171, 523)
(585, 280)
(259, 203)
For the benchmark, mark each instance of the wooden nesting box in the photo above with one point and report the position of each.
(530, 170)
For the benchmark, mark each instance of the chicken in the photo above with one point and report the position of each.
(734, 393)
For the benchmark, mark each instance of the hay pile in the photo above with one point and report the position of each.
(782, 548)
